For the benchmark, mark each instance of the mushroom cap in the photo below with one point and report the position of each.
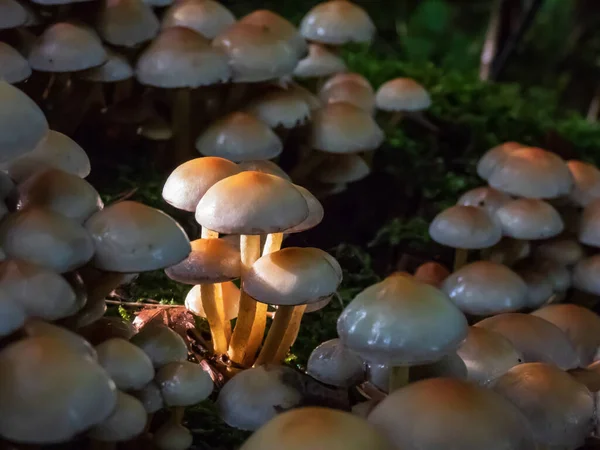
(93, 310)
(188, 183)
(533, 173)
(231, 300)
(155, 129)
(150, 397)
(529, 219)
(181, 58)
(12, 14)
(206, 17)
(466, 227)
(131, 237)
(14, 68)
(586, 275)
(344, 168)
(264, 166)
(161, 344)
(484, 197)
(332, 363)
(61, 192)
(127, 23)
(126, 421)
(13, 315)
(337, 22)
(432, 273)
(128, 365)
(250, 398)
(183, 383)
(22, 123)
(539, 287)
(72, 341)
(239, 136)
(495, 157)
(107, 328)
(483, 288)
(54, 150)
(559, 409)
(346, 77)
(65, 47)
(7, 186)
(210, 261)
(431, 324)
(451, 366)
(256, 53)
(172, 436)
(116, 68)
(315, 212)
(402, 94)
(537, 339)
(344, 128)
(586, 185)
(251, 203)
(319, 62)
(450, 414)
(280, 108)
(316, 427)
(311, 99)
(49, 393)
(351, 92)
(43, 237)
(560, 250)
(589, 228)
(487, 355)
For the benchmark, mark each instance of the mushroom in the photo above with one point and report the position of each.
(13, 315)
(183, 383)
(126, 421)
(14, 68)
(495, 157)
(173, 436)
(588, 229)
(484, 197)
(349, 91)
(151, 397)
(561, 250)
(12, 14)
(161, 344)
(586, 186)
(529, 219)
(334, 364)
(508, 251)
(128, 365)
(71, 341)
(127, 23)
(432, 273)
(585, 275)
(116, 71)
(206, 17)
(280, 108)
(546, 281)
(264, 166)
(400, 96)
(319, 62)
(107, 328)
(231, 301)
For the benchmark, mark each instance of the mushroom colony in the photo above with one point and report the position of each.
(499, 354)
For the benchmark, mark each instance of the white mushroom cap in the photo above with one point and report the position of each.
(13, 315)
(432, 273)
(14, 68)
(466, 227)
(206, 17)
(231, 300)
(311, 99)
(589, 233)
(344, 168)
(12, 14)
(402, 94)
(347, 77)
(495, 157)
(351, 92)
(280, 108)
(586, 182)
(561, 250)
(484, 197)
(279, 26)
(319, 62)
(128, 365)
(264, 166)
(183, 383)
(315, 212)
(334, 364)
(150, 397)
(71, 341)
(539, 287)
(161, 344)
(172, 436)
(586, 275)
(116, 68)
(127, 421)
(127, 23)
(529, 219)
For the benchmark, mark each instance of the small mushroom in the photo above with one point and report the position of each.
(334, 364)
(173, 436)
(586, 186)
(529, 219)
(14, 68)
(494, 157)
(319, 62)
(183, 383)
(126, 421)
(206, 17)
(161, 344)
(280, 108)
(127, 364)
(127, 23)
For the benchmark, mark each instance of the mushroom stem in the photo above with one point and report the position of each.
(396, 118)
(177, 414)
(420, 118)
(283, 318)
(181, 124)
(290, 334)
(273, 243)
(399, 377)
(461, 257)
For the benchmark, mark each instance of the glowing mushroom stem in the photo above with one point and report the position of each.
(181, 124)
(290, 334)
(399, 377)
(461, 257)
(279, 327)
(273, 243)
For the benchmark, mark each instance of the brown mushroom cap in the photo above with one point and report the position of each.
(161, 344)
(432, 273)
(231, 300)
(589, 232)
(264, 166)
(280, 108)
(12, 14)
(561, 250)
(126, 421)
(586, 275)
(347, 77)
(183, 383)
(279, 26)
(207, 17)
(311, 99)
(466, 227)
(349, 91)
(128, 366)
(529, 219)
(173, 436)
(345, 168)
(484, 197)
(127, 23)
(319, 62)
(495, 157)
(402, 94)
(332, 363)
(315, 212)
(14, 68)
(586, 182)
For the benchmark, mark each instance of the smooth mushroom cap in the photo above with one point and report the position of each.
(280, 108)
(344, 128)
(264, 166)
(172, 436)
(22, 123)
(316, 428)
(432, 273)
(55, 150)
(487, 355)
(483, 288)
(12, 14)
(465, 227)
(559, 409)
(450, 414)
(508, 251)
(181, 58)
(351, 92)
(311, 99)
(561, 250)
(315, 212)
(183, 383)
(14, 68)
(116, 68)
(131, 237)
(586, 275)
(65, 47)
(450, 365)
(533, 173)
(126, 421)
(539, 287)
(529, 219)
(127, 23)
(332, 363)
(49, 393)
(210, 261)
(586, 182)
(347, 77)
(150, 397)
(293, 276)
(107, 328)
(589, 228)
(13, 315)
(484, 197)
(71, 341)
(128, 365)
(239, 136)
(231, 300)
(43, 237)
(252, 203)
(344, 168)
(161, 344)
(250, 398)
(61, 192)
(402, 94)
(431, 324)
(319, 62)
(581, 326)
(495, 157)
(94, 310)
(206, 17)
(337, 22)
(537, 339)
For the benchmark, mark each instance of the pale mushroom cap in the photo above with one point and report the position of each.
(315, 428)
(466, 227)
(484, 197)
(495, 157)
(252, 203)
(156, 129)
(487, 355)
(344, 128)
(586, 182)
(61, 192)
(14, 68)
(210, 261)
(293, 276)
(239, 136)
(450, 414)
(337, 22)
(13, 315)
(483, 288)
(71, 341)
(350, 92)
(22, 123)
(332, 363)
(264, 166)
(561, 250)
(533, 173)
(128, 365)
(183, 383)
(49, 393)
(315, 212)
(319, 62)
(279, 26)
(280, 108)
(402, 94)
(127, 23)
(126, 421)
(559, 409)
(131, 237)
(529, 219)
(12, 14)
(181, 58)
(54, 150)
(46, 238)
(172, 436)
(431, 325)
(539, 286)
(231, 300)
(256, 53)
(589, 228)
(161, 344)
(586, 275)
(188, 183)
(346, 77)
(344, 168)
(432, 273)
(250, 398)
(116, 68)
(65, 47)
(150, 397)
(107, 328)
(537, 339)
(311, 99)
(207, 17)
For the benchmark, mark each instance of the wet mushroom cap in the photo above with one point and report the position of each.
(586, 182)
(589, 233)
(231, 300)
(432, 273)
(315, 212)
(13, 315)
(14, 68)
(280, 108)
(172, 436)
(333, 364)
(206, 17)
(319, 62)
(495, 157)
(183, 383)
(128, 365)
(264, 166)
(343, 168)
(126, 421)
(529, 219)
(350, 92)
(12, 14)
(161, 344)
(466, 227)
(347, 77)
(127, 23)
(539, 285)
(586, 275)
(484, 197)
(150, 397)
(70, 340)
(402, 94)
(116, 68)
(561, 250)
